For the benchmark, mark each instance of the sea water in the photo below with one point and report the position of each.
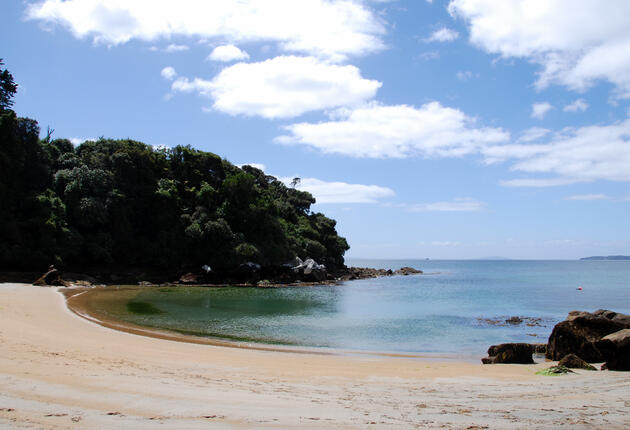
(456, 308)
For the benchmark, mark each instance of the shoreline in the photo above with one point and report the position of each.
(75, 299)
(58, 370)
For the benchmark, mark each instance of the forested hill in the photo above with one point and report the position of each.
(120, 203)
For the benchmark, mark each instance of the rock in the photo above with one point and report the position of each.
(539, 348)
(572, 361)
(405, 271)
(147, 283)
(189, 278)
(580, 332)
(514, 320)
(520, 353)
(249, 267)
(296, 262)
(616, 350)
(620, 338)
(52, 277)
(555, 371)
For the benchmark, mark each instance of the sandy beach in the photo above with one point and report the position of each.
(58, 370)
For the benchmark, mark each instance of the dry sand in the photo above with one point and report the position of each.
(58, 370)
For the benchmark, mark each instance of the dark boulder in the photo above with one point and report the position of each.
(519, 353)
(580, 332)
(572, 361)
(616, 350)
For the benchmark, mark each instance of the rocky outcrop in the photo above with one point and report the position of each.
(519, 353)
(616, 350)
(572, 361)
(580, 333)
(406, 271)
(51, 278)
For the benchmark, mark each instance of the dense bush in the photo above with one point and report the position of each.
(121, 203)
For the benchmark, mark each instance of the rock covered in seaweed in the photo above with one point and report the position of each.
(572, 361)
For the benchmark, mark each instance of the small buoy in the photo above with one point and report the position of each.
(579, 288)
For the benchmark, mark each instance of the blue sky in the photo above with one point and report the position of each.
(440, 129)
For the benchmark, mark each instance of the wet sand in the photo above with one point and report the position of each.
(58, 370)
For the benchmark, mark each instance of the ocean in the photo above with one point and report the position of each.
(455, 309)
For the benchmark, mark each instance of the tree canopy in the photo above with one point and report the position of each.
(121, 203)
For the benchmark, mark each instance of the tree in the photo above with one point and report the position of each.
(8, 88)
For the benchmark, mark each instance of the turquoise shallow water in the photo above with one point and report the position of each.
(438, 312)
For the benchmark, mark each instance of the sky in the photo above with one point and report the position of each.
(427, 129)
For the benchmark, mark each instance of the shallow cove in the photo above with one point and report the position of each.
(439, 313)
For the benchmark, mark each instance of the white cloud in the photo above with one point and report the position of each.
(227, 53)
(176, 48)
(168, 73)
(577, 42)
(398, 131)
(282, 87)
(537, 182)
(326, 28)
(457, 205)
(539, 110)
(442, 35)
(578, 105)
(585, 154)
(465, 75)
(589, 197)
(255, 165)
(76, 141)
(341, 192)
(533, 133)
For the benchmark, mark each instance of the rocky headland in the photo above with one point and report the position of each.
(294, 272)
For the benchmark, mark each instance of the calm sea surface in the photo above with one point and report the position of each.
(441, 312)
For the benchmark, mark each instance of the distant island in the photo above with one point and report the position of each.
(494, 258)
(607, 257)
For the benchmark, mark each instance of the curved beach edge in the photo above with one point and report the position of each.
(77, 302)
(58, 370)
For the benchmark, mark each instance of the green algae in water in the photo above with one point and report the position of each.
(143, 308)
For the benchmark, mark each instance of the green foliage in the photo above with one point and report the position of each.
(122, 203)
(8, 88)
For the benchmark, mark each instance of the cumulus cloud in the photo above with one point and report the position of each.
(589, 197)
(225, 53)
(341, 192)
(533, 133)
(442, 35)
(282, 87)
(76, 141)
(398, 131)
(585, 154)
(326, 28)
(539, 110)
(176, 48)
(258, 166)
(576, 42)
(456, 205)
(578, 105)
(168, 73)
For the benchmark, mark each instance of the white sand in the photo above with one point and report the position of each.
(58, 370)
